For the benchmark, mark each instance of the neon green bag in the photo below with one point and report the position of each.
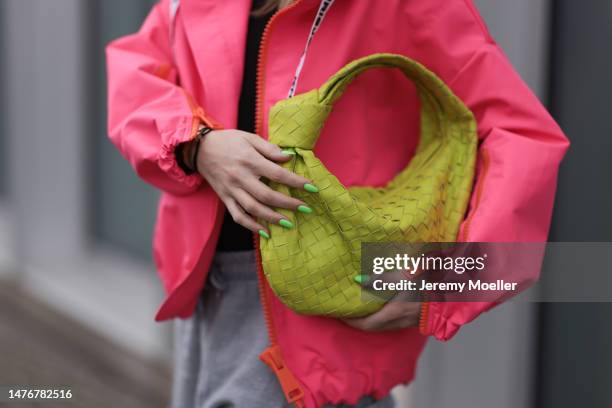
(311, 268)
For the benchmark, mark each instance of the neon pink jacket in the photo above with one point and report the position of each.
(159, 92)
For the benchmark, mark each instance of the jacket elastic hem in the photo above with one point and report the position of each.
(167, 157)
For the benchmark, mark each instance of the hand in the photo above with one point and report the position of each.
(400, 312)
(233, 162)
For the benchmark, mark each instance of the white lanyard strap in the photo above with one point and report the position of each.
(323, 9)
(174, 6)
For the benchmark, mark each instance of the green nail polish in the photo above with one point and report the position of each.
(361, 279)
(288, 152)
(311, 188)
(304, 209)
(285, 224)
(264, 234)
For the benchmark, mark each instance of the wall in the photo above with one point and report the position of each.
(58, 254)
(576, 359)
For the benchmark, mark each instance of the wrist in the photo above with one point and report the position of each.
(187, 152)
(195, 147)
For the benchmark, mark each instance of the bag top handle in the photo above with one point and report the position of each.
(425, 80)
(297, 121)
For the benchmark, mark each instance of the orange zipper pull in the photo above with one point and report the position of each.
(290, 385)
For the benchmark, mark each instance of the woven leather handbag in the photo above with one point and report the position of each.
(311, 268)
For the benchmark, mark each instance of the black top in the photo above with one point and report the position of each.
(235, 237)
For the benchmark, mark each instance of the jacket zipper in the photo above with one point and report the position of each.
(272, 355)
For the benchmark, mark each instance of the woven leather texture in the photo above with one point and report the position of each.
(311, 267)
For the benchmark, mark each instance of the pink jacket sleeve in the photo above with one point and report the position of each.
(149, 115)
(520, 149)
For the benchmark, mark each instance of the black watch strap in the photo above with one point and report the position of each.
(192, 166)
(198, 139)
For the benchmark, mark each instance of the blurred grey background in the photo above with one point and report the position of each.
(77, 287)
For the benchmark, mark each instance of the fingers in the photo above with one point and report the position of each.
(267, 149)
(400, 312)
(394, 315)
(265, 166)
(241, 217)
(274, 172)
(257, 209)
(248, 198)
(398, 324)
(377, 320)
(266, 195)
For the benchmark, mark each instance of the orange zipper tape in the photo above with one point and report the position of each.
(272, 355)
(423, 316)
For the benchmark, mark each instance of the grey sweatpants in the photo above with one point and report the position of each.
(216, 363)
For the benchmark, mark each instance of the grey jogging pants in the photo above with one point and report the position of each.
(216, 350)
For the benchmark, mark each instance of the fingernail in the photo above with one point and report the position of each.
(288, 152)
(264, 234)
(304, 209)
(361, 279)
(311, 188)
(285, 224)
